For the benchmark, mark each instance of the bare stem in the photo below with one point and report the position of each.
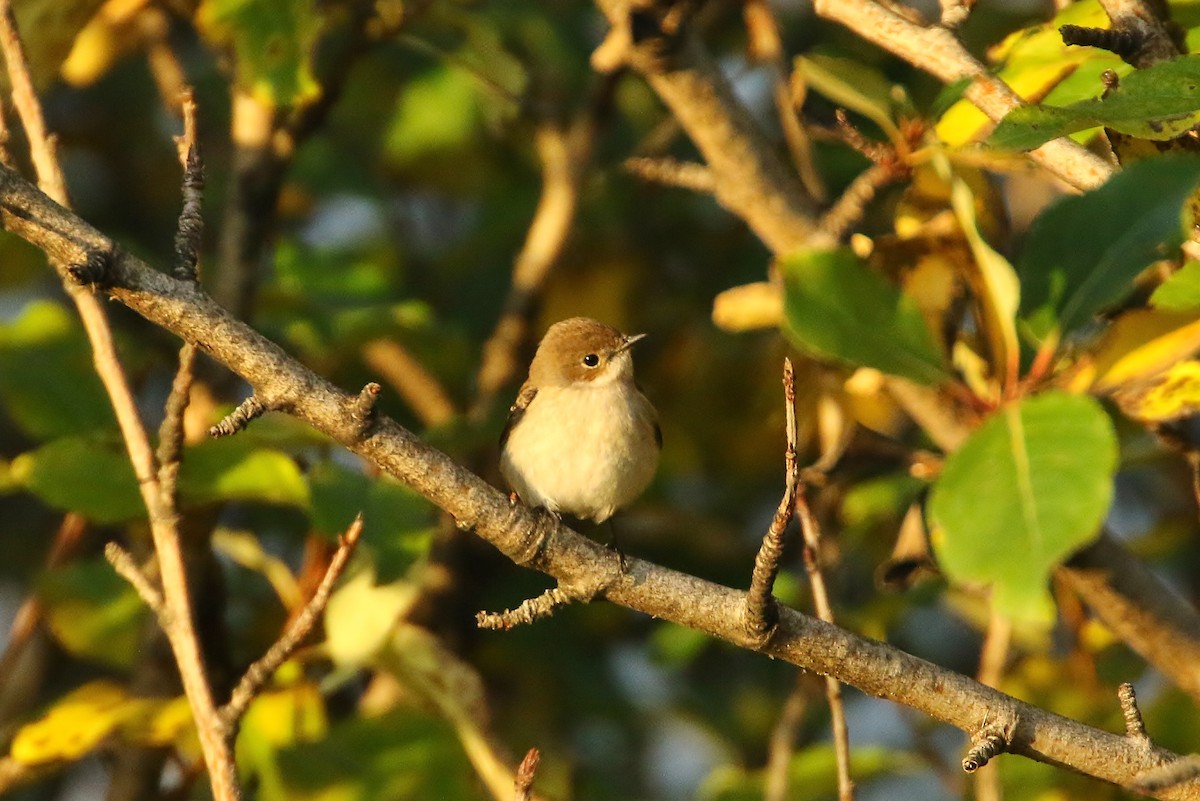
(257, 675)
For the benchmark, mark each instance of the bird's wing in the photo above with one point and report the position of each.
(517, 411)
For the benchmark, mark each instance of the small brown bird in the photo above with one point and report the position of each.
(581, 438)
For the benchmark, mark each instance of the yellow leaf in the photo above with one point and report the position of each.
(1169, 396)
(1035, 59)
(74, 725)
(995, 283)
(749, 307)
(1142, 344)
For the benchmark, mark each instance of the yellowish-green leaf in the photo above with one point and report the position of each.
(93, 612)
(276, 720)
(996, 286)
(999, 509)
(1158, 102)
(853, 85)
(1142, 344)
(1180, 292)
(1034, 61)
(84, 718)
(1168, 396)
(361, 614)
(232, 469)
(273, 43)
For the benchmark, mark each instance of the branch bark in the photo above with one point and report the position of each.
(938, 51)
(876, 668)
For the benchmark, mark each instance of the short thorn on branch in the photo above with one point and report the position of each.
(362, 410)
(530, 610)
(988, 743)
(1135, 727)
(761, 610)
(1124, 43)
(95, 271)
(257, 675)
(526, 772)
(239, 418)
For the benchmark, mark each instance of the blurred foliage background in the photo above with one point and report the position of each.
(384, 159)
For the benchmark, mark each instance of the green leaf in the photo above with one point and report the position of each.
(1028, 487)
(273, 43)
(231, 469)
(1083, 252)
(853, 85)
(1180, 292)
(836, 307)
(812, 774)
(46, 377)
(437, 114)
(1160, 103)
(93, 612)
(397, 523)
(383, 758)
(90, 477)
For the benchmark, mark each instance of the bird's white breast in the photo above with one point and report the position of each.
(582, 450)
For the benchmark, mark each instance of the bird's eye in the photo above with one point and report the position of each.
(591, 360)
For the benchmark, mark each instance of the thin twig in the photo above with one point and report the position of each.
(530, 610)
(992, 659)
(761, 610)
(833, 688)
(672, 172)
(257, 674)
(247, 411)
(127, 568)
(1139, 21)
(182, 635)
(526, 772)
(782, 745)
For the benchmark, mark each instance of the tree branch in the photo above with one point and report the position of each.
(938, 51)
(874, 667)
(749, 178)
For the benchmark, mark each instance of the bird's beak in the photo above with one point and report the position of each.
(629, 342)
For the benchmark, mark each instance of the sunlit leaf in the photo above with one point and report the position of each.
(232, 469)
(837, 308)
(93, 612)
(1180, 292)
(995, 282)
(1171, 395)
(278, 719)
(47, 381)
(1028, 487)
(1034, 61)
(273, 43)
(437, 112)
(361, 615)
(1083, 252)
(80, 475)
(1143, 343)
(89, 715)
(1159, 102)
